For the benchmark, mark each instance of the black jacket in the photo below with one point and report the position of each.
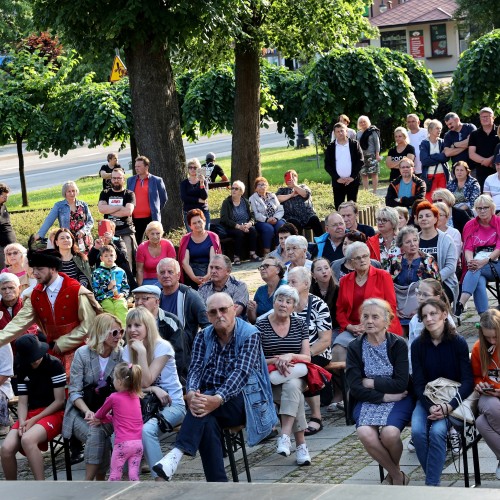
(397, 351)
(357, 160)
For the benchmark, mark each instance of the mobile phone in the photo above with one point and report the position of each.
(104, 226)
(288, 177)
(488, 389)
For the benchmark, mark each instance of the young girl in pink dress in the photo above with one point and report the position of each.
(123, 410)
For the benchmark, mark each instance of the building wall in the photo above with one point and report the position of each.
(435, 64)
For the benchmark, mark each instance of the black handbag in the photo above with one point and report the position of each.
(150, 406)
(94, 395)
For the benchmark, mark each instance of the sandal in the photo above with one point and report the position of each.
(310, 431)
(255, 258)
(237, 261)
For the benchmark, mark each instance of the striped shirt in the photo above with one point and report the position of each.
(73, 271)
(39, 383)
(274, 345)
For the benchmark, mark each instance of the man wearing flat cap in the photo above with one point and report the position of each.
(59, 305)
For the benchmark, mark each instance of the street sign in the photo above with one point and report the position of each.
(118, 71)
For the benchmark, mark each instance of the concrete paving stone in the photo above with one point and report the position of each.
(321, 444)
(271, 473)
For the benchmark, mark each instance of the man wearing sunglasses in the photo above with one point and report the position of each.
(227, 360)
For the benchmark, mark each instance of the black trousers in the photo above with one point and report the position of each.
(140, 227)
(240, 237)
(342, 193)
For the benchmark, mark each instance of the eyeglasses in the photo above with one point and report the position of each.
(192, 168)
(234, 188)
(361, 258)
(221, 310)
(261, 184)
(265, 266)
(115, 333)
(482, 209)
(141, 299)
(16, 252)
(438, 199)
(382, 221)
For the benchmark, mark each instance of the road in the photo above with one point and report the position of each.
(54, 170)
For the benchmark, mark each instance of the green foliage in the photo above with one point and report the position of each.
(15, 22)
(377, 82)
(478, 17)
(476, 79)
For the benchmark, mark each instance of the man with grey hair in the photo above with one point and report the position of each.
(456, 140)
(329, 245)
(416, 135)
(181, 300)
(228, 385)
(220, 268)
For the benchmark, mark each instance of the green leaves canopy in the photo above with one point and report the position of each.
(476, 81)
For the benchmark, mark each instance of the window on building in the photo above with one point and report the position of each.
(394, 40)
(439, 42)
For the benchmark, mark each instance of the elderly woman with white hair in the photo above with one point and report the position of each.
(458, 216)
(17, 263)
(296, 252)
(316, 313)
(194, 192)
(150, 252)
(237, 218)
(383, 245)
(285, 342)
(368, 137)
(72, 214)
(435, 171)
(364, 283)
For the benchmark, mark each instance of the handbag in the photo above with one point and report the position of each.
(95, 394)
(442, 390)
(406, 300)
(150, 406)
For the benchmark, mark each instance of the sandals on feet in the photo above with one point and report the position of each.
(237, 261)
(310, 431)
(255, 258)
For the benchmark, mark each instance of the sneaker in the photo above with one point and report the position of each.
(283, 445)
(166, 467)
(455, 441)
(336, 406)
(410, 446)
(497, 473)
(302, 453)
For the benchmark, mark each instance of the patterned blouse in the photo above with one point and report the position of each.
(297, 207)
(427, 268)
(386, 255)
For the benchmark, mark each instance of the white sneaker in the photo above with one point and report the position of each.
(410, 446)
(303, 457)
(283, 445)
(455, 441)
(498, 471)
(167, 466)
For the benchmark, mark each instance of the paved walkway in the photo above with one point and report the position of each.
(337, 455)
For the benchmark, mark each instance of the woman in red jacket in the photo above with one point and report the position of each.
(365, 282)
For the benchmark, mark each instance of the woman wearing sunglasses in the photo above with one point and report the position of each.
(156, 357)
(92, 365)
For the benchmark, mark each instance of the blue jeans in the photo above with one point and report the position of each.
(267, 232)
(207, 222)
(151, 434)
(429, 438)
(204, 434)
(475, 284)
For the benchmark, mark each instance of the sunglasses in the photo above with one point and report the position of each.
(115, 333)
(192, 168)
(265, 266)
(235, 188)
(221, 310)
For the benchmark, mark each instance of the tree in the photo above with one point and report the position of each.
(378, 82)
(476, 79)
(149, 32)
(298, 28)
(479, 17)
(15, 22)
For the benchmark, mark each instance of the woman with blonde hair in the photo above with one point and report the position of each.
(369, 139)
(150, 252)
(93, 367)
(401, 149)
(486, 370)
(156, 357)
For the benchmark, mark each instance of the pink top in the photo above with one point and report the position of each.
(126, 417)
(150, 262)
(482, 236)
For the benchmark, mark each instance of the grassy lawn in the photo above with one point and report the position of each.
(275, 162)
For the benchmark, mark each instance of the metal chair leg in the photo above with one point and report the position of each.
(53, 459)
(230, 452)
(245, 458)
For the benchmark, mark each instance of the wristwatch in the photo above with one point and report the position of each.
(221, 399)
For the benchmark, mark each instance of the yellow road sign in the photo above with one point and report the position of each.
(118, 71)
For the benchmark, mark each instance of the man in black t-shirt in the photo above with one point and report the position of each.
(105, 172)
(117, 204)
(212, 170)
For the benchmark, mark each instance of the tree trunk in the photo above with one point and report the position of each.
(245, 154)
(133, 149)
(20, 155)
(156, 121)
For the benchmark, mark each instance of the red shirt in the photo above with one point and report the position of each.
(142, 209)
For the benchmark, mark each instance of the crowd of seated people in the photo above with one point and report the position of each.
(177, 320)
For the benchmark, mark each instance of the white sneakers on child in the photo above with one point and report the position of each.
(303, 457)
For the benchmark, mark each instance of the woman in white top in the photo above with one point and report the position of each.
(156, 357)
(296, 252)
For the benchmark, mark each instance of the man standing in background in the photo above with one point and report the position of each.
(416, 134)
